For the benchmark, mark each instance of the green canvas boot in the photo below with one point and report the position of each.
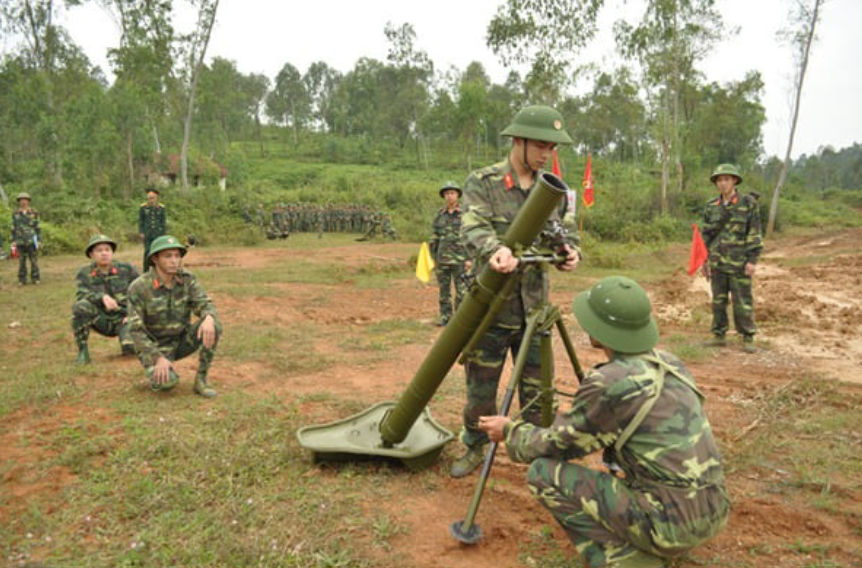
(83, 353)
(201, 387)
(716, 341)
(464, 465)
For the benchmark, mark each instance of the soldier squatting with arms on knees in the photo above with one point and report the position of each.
(162, 302)
(643, 409)
(101, 300)
(26, 239)
(731, 233)
(450, 258)
(492, 198)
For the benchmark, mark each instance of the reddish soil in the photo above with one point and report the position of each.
(809, 308)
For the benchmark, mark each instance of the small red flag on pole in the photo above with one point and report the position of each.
(589, 192)
(555, 167)
(698, 254)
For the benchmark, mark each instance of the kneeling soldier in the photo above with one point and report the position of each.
(162, 302)
(102, 297)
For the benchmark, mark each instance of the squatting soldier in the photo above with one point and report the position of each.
(492, 198)
(162, 302)
(643, 408)
(450, 258)
(732, 234)
(151, 222)
(26, 239)
(101, 300)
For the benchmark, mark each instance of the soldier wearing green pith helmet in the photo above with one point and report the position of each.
(644, 410)
(101, 300)
(492, 198)
(450, 258)
(162, 303)
(732, 235)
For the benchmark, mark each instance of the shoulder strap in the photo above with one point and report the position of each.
(663, 369)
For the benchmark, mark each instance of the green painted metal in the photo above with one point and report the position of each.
(359, 435)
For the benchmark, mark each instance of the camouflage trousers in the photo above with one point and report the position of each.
(87, 316)
(737, 287)
(608, 520)
(447, 276)
(484, 367)
(25, 252)
(179, 347)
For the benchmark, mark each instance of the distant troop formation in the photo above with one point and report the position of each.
(287, 218)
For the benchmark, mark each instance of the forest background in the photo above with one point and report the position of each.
(388, 132)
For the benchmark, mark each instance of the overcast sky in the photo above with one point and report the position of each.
(261, 35)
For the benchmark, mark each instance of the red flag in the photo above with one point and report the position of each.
(698, 253)
(555, 168)
(589, 192)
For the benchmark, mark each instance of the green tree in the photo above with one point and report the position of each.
(288, 103)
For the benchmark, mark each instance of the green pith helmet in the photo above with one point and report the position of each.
(451, 185)
(23, 196)
(617, 313)
(163, 243)
(538, 123)
(97, 240)
(726, 169)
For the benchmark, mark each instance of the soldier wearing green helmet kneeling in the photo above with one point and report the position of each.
(101, 299)
(162, 302)
(492, 198)
(643, 409)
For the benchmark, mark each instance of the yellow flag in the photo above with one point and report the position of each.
(424, 264)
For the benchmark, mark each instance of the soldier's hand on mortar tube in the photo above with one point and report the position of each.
(110, 303)
(162, 371)
(503, 261)
(572, 259)
(493, 426)
(207, 332)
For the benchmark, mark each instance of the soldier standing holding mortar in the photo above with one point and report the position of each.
(450, 258)
(152, 222)
(732, 234)
(492, 198)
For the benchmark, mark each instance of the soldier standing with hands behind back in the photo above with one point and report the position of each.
(731, 233)
(152, 223)
(26, 239)
(450, 258)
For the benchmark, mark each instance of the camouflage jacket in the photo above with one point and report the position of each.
(151, 220)
(732, 233)
(25, 226)
(445, 242)
(672, 446)
(158, 313)
(93, 284)
(491, 201)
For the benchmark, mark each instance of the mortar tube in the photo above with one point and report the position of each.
(526, 226)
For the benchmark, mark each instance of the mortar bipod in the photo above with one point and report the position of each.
(541, 319)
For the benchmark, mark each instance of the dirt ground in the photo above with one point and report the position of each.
(809, 309)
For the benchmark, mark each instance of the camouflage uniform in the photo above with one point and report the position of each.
(449, 258)
(152, 224)
(492, 198)
(89, 311)
(160, 321)
(672, 497)
(26, 232)
(732, 234)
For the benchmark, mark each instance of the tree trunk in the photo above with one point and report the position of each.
(131, 164)
(782, 176)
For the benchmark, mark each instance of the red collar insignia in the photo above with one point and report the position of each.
(509, 181)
